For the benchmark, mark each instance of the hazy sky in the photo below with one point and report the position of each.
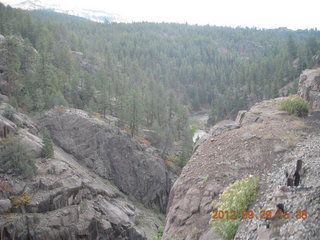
(294, 14)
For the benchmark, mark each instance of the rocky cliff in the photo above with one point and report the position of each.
(264, 142)
(111, 153)
(77, 196)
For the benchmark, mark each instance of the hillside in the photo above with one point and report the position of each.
(264, 142)
(115, 194)
(100, 66)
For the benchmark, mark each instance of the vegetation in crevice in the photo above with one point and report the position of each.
(295, 105)
(158, 235)
(233, 203)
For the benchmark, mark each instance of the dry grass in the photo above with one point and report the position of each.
(97, 115)
(143, 140)
(60, 109)
(169, 164)
(291, 139)
(126, 128)
(5, 186)
(301, 125)
(172, 158)
(18, 201)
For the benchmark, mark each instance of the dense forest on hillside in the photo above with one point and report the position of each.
(149, 75)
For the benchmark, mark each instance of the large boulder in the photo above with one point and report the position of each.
(5, 205)
(309, 87)
(110, 152)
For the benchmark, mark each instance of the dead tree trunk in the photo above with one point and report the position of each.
(293, 179)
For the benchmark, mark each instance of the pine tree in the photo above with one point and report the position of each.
(15, 157)
(134, 112)
(292, 47)
(47, 149)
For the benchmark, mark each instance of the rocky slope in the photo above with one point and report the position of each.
(70, 201)
(304, 197)
(259, 143)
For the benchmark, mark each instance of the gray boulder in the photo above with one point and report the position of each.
(5, 205)
(3, 98)
(33, 142)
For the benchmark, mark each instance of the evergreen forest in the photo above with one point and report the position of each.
(147, 75)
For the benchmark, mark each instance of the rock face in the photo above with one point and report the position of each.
(112, 154)
(309, 87)
(68, 202)
(65, 200)
(254, 144)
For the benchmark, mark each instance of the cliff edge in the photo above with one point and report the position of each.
(264, 142)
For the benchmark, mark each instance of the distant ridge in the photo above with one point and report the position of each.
(93, 15)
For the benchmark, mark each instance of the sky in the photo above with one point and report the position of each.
(294, 14)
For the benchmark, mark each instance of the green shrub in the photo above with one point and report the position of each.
(237, 197)
(193, 129)
(14, 157)
(8, 112)
(158, 235)
(295, 105)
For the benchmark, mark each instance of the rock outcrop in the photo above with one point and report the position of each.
(135, 169)
(66, 200)
(309, 87)
(89, 64)
(254, 144)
